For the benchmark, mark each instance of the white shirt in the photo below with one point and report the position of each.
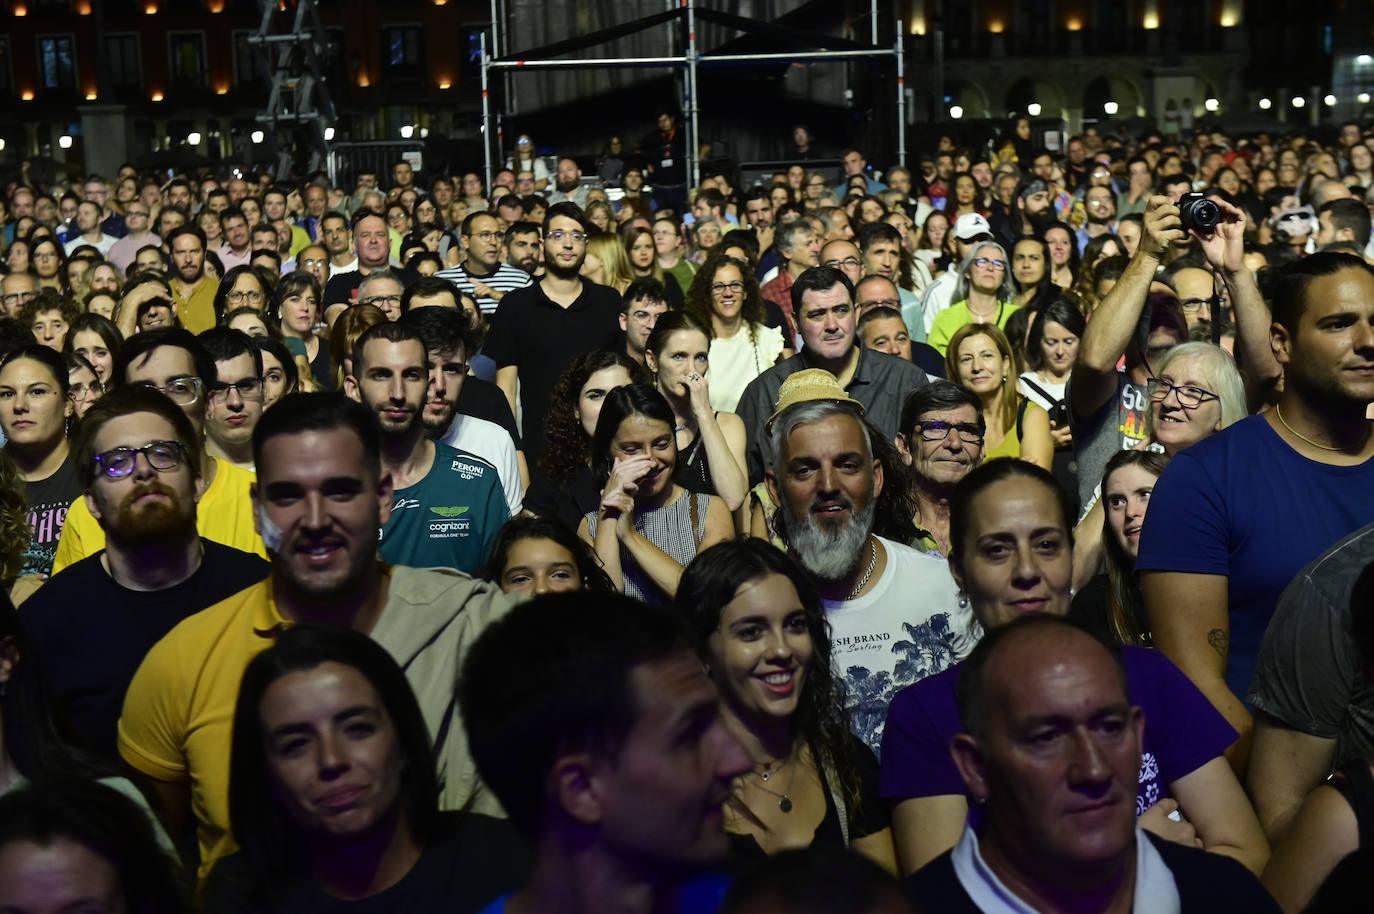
(907, 627)
(493, 444)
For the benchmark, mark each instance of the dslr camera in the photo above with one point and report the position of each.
(1198, 213)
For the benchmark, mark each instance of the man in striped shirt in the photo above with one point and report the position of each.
(482, 275)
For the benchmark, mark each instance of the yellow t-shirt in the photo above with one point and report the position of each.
(948, 321)
(224, 514)
(198, 312)
(178, 716)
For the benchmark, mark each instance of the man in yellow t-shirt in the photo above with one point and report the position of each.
(171, 360)
(320, 500)
(193, 290)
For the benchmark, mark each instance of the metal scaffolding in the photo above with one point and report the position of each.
(539, 59)
(298, 107)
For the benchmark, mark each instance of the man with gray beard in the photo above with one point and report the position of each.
(895, 613)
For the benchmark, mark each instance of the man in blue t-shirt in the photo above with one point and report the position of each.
(448, 504)
(1237, 515)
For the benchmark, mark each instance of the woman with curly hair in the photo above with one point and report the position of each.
(1094, 252)
(759, 626)
(725, 297)
(538, 555)
(14, 520)
(564, 485)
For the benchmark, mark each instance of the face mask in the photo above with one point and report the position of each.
(271, 534)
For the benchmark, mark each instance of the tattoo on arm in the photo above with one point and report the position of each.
(1220, 639)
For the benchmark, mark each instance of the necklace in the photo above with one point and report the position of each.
(784, 798)
(1324, 447)
(872, 563)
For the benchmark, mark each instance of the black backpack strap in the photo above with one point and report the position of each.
(1356, 784)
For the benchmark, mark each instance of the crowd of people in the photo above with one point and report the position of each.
(854, 540)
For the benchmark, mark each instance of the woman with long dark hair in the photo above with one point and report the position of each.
(564, 485)
(759, 626)
(297, 306)
(333, 795)
(647, 528)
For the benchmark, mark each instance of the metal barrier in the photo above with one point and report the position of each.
(348, 160)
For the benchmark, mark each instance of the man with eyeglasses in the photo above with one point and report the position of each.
(1099, 203)
(171, 360)
(192, 289)
(1196, 290)
(17, 290)
(823, 299)
(844, 255)
(941, 441)
(373, 247)
(237, 249)
(138, 223)
(234, 399)
(138, 458)
(313, 259)
(482, 275)
(541, 328)
(448, 503)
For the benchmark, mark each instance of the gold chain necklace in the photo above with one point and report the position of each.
(1325, 447)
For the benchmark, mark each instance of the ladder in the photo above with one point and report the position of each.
(299, 108)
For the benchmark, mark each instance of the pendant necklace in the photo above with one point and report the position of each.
(784, 798)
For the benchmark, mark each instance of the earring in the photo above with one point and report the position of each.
(963, 600)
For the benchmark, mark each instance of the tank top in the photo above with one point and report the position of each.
(676, 528)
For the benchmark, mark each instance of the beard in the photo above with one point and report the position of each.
(1042, 220)
(152, 523)
(567, 186)
(436, 426)
(826, 554)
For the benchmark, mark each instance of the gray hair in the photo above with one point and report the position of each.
(374, 276)
(1008, 289)
(805, 413)
(1222, 376)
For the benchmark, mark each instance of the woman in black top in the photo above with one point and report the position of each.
(333, 796)
(710, 444)
(564, 485)
(760, 628)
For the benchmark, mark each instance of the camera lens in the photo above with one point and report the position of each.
(1206, 215)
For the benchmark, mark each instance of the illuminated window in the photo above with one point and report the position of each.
(186, 60)
(57, 61)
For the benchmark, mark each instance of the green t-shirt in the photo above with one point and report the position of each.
(449, 518)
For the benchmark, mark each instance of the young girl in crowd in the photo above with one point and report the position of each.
(647, 527)
(535, 555)
(759, 627)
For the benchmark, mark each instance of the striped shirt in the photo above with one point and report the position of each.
(503, 280)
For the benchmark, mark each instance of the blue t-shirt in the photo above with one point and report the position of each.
(1183, 731)
(449, 518)
(1244, 504)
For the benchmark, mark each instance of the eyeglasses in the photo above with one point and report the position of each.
(559, 235)
(161, 455)
(248, 389)
(181, 391)
(243, 296)
(720, 288)
(313, 263)
(850, 262)
(485, 236)
(880, 303)
(1194, 305)
(19, 297)
(1188, 397)
(989, 262)
(80, 390)
(380, 300)
(934, 430)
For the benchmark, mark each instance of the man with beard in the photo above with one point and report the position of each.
(1100, 205)
(568, 187)
(523, 248)
(894, 612)
(448, 503)
(320, 502)
(172, 361)
(449, 336)
(193, 291)
(482, 275)
(539, 329)
(234, 398)
(138, 459)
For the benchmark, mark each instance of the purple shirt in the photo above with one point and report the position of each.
(1182, 731)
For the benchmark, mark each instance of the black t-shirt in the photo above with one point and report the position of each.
(48, 501)
(342, 288)
(477, 860)
(568, 501)
(90, 634)
(541, 338)
(484, 400)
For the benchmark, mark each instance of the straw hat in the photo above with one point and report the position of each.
(807, 385)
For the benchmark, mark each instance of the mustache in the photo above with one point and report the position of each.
(152, 488)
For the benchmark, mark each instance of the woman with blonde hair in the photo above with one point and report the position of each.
(980, 358)
(607, 263)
